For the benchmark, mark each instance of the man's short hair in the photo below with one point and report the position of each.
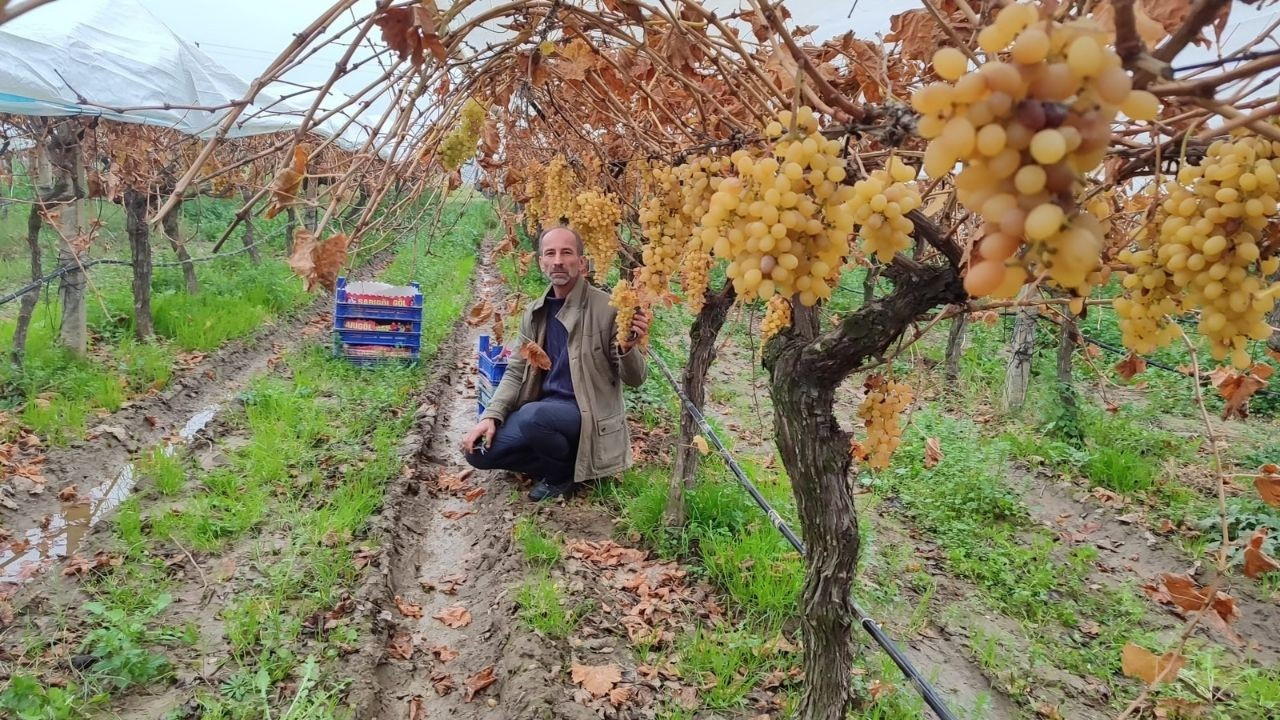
(582, 249)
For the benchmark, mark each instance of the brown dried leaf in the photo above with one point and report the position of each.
(455, 617)
(479, 681)
(595, 679)
(68, 493)
(443, 683)
(443, 653)
(1257, 562)
(327, 261)
(480, 314)
(408, 609)
(1268, 484)
(1133, 364)
(1236, 388)
(1142, 664)
(536, 356)
(473, 494)
(415, 708)
(879, 689)
(302, 259)
(700, 443)
(454, 514)
(932, 452)
(401, 646)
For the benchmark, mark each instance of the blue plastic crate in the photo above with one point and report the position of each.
(384, 325)
(374, 337)
(487, 362)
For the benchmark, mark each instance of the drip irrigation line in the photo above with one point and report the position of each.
(1153, 363)
(921, 685)
(64, 269)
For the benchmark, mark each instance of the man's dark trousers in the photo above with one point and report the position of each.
(539, 439)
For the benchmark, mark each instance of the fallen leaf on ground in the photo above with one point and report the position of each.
(454, 514)
(1186, 594)
(879, 689)
(1142, 664)
(1048, 712)
(454, 617)
(473, 494)
(443, 683)
(596, 679)
(68, 493)
(408, 609)
(401, 646)
(415, 709)
(1257, 562)
(453, 481)
(479, 682)
(536, 356)
(443, 653)
(932, 452)
(619, 695)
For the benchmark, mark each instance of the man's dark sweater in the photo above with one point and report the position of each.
(558, 384)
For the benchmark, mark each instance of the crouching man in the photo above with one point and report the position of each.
(565, 425)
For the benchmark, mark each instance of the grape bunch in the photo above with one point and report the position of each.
(595, 216)
(1027, 126)
(556, 192)
(1208, 249)
(881, 412)
(460, 145)
(696, 276)
(626, 301)
(666, 234)
(784, 221)
(777, 317)
(882, 202)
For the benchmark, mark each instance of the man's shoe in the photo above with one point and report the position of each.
(546, 490)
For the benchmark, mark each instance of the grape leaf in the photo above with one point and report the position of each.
(401, 646)
(408, 609)
(1268, 484)
(536, 356)
(1133, 364)
(932, 452)
(455, 617)
(479, 681)
(596, 679)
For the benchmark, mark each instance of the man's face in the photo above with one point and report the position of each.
(559, 258)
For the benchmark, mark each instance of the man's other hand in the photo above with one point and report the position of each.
(486, 429)
(639, 330)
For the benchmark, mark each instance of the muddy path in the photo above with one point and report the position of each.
(86, 480)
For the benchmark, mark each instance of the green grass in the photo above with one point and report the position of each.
(164, 468)
(322, 439)
(544, 609)
(538, 547)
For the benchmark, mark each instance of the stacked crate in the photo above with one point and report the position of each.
(374, 328)
(491, 364)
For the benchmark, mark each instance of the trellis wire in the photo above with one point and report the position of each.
(921, 685)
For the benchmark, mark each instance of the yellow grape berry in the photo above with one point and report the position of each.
(595, 215)
(881, 413)
(777, 317)
(460, 145)
(881, 204)
(625, 300)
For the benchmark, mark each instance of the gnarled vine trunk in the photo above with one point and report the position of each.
(804, 371)
(135, 214)
(955, 348)
(67, 172)
(27, 308)
(249, 242)
(1070, 413)
(702, 352)
(171, 231)
(1022, 349)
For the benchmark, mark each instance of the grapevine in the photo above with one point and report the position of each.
(881, 411)
(1027, 126)
(460, 145)
(1207, 251)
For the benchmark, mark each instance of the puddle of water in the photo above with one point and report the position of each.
(39, 548)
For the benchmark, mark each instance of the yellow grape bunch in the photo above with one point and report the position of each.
(1026, 127)
(882, 201)
(595, 215)
(777, 317)
(460, 145)
(881, 412)
(1208, 249)
(625, 300)
(557, 193)
(784, 221)
(666, 234)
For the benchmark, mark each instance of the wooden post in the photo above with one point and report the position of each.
(1022, 349)
(135, 209)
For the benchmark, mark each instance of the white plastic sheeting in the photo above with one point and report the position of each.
(116, 54)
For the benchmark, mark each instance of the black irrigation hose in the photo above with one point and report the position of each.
(922, 686)
(1153, 363)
